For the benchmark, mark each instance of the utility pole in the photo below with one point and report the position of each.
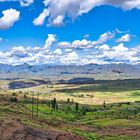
(37, 102)
(32, 105)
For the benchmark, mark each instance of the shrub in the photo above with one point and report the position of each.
(14, 100)
(14, 94)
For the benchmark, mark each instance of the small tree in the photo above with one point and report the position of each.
(25, 96)
(104, 105)
(14, 94)
(76, 107)
(14, 99)
(54, 103)
(68, 100)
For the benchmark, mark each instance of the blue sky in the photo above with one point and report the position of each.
(75, 29)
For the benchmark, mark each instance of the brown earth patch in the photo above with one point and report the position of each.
(12, 129)
(115, 131)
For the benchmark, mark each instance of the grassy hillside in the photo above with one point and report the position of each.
(90, 122)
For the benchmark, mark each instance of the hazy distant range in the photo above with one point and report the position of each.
(60, 72)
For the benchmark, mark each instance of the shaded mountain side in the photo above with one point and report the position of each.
(25, 84)
(101, 85)
(98, 85)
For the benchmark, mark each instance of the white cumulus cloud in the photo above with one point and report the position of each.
(124, 38)
(41, 18)
(50, 40)
(103, 38)
(55, 52)
(22, 2)
(61, 10)
(84, 43)
(58, 52)
(10, 16)
(120, 48)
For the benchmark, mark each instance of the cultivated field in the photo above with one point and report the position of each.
(91, 94)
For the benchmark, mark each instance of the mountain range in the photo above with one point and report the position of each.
(103, 72)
